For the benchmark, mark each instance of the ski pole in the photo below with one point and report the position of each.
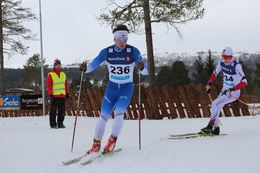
(245, 103)
(139, 107)
(210, 98)
(76, 117)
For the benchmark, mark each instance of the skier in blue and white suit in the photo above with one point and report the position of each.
(121, 59)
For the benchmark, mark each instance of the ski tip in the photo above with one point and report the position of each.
(65, 163)
(85, 163)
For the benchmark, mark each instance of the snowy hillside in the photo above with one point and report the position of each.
(28, 145)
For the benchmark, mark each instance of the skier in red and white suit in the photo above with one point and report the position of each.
(233, 80)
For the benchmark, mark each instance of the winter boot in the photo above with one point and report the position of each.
(216, 130)
(208, 129)
(61, 126)
(54, 126)
(95, 147)
(110, 144)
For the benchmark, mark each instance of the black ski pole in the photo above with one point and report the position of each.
(139, 107)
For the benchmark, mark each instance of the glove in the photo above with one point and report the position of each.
(67, 96)
(140, 65)
(51, 97)
(208, 88)
(83, 67)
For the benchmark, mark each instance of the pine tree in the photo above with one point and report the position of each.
(32, 73)
(256, 81)
(179, 74)
(12, 31)
(248, 73)
(257, 75)
(199, 71)
(209, 64)
(164, 76)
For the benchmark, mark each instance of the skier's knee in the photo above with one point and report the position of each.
(119, 114)
(104, 118)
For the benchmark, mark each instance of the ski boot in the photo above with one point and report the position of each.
(215, 131)
(208, 129)
(95, 147)
(110, 144)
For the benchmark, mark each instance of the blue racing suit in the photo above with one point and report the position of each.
(119, 91)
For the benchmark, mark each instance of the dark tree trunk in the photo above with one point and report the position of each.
(149, 41)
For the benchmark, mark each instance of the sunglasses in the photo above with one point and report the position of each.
(121, 39)
(226, 57)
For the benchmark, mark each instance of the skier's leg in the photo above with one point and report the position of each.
(120, 108)
(100, 128)
(117, 125)
(219, 103)
(216, 107)
(106, 110)
(107, 106)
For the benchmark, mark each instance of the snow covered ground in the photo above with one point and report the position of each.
(28, 145)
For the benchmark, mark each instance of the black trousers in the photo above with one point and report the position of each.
(57, 104)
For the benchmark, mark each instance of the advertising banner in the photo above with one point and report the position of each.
(9, 102)
(31, 101)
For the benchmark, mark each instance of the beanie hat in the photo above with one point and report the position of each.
(227, 52)
(56, 62)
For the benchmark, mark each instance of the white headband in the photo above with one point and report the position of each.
(121, 33)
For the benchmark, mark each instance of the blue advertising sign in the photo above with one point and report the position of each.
(9, 102)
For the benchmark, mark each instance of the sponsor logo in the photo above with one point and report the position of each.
(229, 84)
(128, 59)
(116, 58)
(1, 101)
(120, 77)
(110, 50)
(9, 102)
(31, 101)
(227, 69)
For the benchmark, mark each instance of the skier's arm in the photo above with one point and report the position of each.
(97, 61)
(243, 81)
(138, 58)
(214, 74)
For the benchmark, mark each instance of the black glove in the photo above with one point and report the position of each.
(207, 91)
(208, 88)
(51, 97)
(67, 96)
(83, 67)
(140, 65)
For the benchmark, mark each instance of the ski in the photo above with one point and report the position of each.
(77, 159)
(100, 156)
(185, 134)
(193, 135)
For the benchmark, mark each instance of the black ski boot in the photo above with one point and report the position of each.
(216, 130)
(208, 129)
